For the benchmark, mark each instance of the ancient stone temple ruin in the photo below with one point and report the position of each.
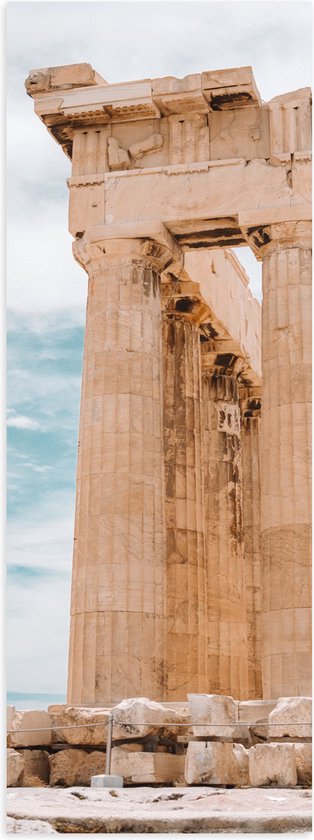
(191, 568)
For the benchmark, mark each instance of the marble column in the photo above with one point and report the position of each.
(285, 458)
(186, 574)
(250, 403)
(117, 604)
(227, 626)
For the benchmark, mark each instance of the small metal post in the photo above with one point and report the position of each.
(109, 743)
(106, 780)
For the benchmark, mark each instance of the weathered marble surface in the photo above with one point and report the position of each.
(170, 810)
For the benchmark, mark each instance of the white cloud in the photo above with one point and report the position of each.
(20, 422)
(38, 604)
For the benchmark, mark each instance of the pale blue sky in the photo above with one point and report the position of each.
(47, 290)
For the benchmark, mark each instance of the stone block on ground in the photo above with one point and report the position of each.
(211, 762)
(80, 726)
(208, 763)
(70, 768)
(138, 717)
(30, 729)
(303, 757)
(273, 764)
(239, 770)
(292, 718)
(218, 713)
(36, 765)
(15, 767)
(147, 767)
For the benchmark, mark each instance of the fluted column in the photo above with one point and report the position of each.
(227, 627)
(250, 403)
(286, 434)
(117, 604)
(186, 573)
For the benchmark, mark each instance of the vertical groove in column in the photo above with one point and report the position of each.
(118, 566)
(285, 472)
(226, 622)
(185, 586)
(250, 435)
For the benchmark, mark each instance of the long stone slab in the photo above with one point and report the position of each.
(167, 810)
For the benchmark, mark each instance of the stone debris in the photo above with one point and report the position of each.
(147, 749)
(75, 767)
(293, 718)
(147, 767)
(69, 731)
(208, 763)
(20, 826)
(22, 725)
(239, 771)
(15, 768)
(36, 764)
(215, 763)
(138, 717)
(273, 764)
(303, 757)
(211, 709)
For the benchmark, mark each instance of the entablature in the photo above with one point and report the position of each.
(213, 115)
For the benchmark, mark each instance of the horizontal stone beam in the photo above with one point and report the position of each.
(183, 197)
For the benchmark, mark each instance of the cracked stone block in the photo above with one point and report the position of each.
(273, 764)
(208, 763)
(214, 762)
(292, 717)
(80, 726)
(217, 712)
(36, 765)
(137, 717)
(239, 771)
(30, 729)
(147, 768)
(303, 757)
(75, 767)
(15, 767)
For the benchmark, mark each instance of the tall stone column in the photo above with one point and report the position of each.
(285, 478)
(227, 626)
(117, 605)
(186, 573)
(250, 403)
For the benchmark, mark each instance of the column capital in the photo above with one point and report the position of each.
(122, 244)
(279, 236)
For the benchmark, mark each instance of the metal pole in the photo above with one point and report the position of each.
(109, 742)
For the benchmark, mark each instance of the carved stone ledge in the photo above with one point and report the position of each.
(122, 243)
(280, 236)
(62, 78)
